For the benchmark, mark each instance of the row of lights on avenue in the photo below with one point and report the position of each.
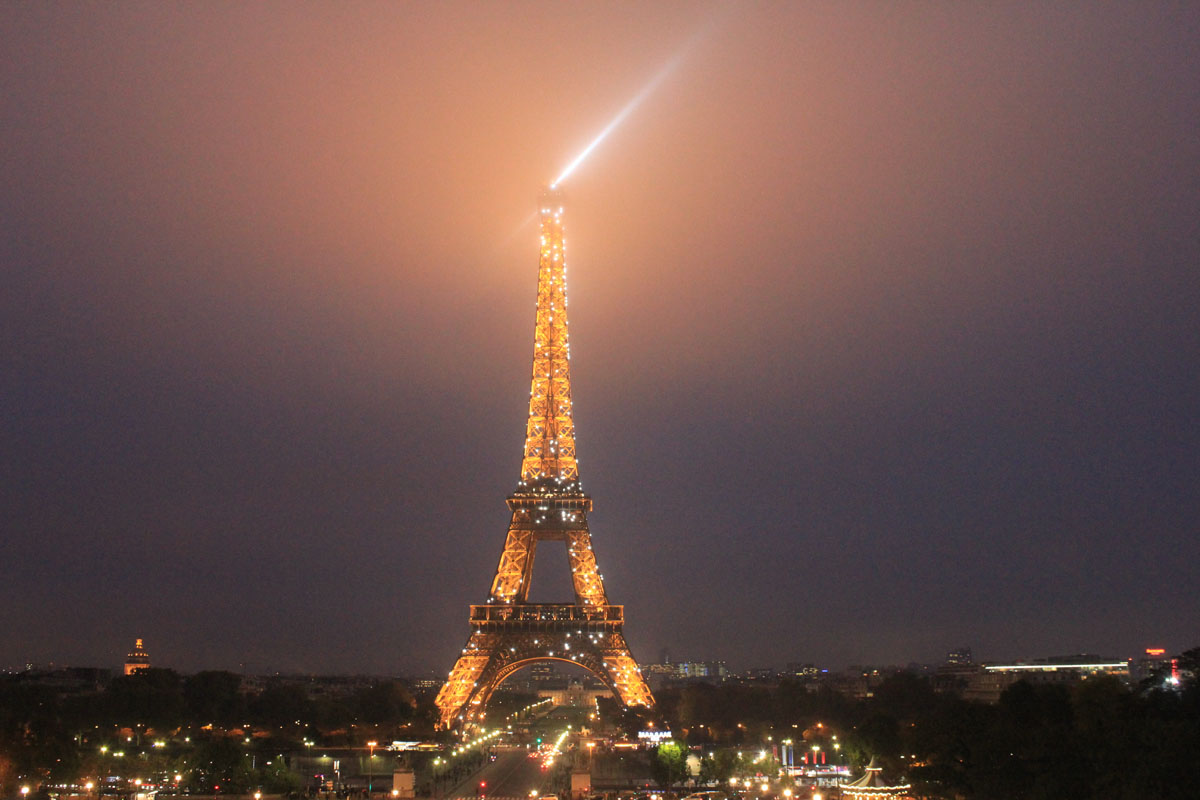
(556, 748)
(528, 708)
(765, 787)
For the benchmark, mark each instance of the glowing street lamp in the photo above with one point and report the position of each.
(371, 768)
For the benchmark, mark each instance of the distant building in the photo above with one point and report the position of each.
(427, 683)
(67, 680)
(795, 669)
(138, 660)
(668, 673)
(855, 681)
(663, 670)
(704, 669)
(960, 657)
(956, 673)
(575, 695)
(542, 673)
(987, 686)
(1156, 664)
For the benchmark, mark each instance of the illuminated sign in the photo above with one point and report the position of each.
(654, 736)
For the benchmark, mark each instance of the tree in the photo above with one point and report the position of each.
(282, 704)
(214, 696)
(152, 697)
(221, 762)
(387, 703)
(668, 764)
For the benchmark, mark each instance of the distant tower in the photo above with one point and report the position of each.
(138, 660)
(508, 632)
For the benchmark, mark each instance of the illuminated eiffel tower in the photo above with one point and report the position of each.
(508, 633)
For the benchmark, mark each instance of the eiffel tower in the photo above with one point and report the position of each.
(508, 632)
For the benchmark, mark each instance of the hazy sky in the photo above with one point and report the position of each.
(885, 325)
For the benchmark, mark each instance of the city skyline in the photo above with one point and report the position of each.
(884, 327)
(711, 666)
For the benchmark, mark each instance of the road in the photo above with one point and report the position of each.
(512, 775)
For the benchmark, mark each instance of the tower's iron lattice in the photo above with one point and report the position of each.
(508, 632)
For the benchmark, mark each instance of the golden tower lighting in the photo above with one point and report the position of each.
(508, 632)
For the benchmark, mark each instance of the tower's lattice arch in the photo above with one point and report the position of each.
(549, 504)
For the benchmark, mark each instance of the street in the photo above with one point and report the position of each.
(512, 775)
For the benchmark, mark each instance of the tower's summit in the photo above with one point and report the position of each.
(549, 464)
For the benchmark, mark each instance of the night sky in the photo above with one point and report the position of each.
(885, 326)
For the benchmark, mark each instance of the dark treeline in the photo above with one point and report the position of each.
(164, 699)
(48, 734)
(1097, 738)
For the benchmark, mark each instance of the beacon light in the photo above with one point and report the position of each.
(637, 100)
(629, 108)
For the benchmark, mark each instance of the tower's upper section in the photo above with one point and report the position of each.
(139, 659)
(549, 463)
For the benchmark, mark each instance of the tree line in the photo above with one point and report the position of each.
(48, 734)
(1095, 738)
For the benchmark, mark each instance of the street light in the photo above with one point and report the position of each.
(371, 768)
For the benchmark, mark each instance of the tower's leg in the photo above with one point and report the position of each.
(624, 675)
(458, 688)
(489, 658)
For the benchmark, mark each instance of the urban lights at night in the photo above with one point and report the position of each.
(890, 328)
